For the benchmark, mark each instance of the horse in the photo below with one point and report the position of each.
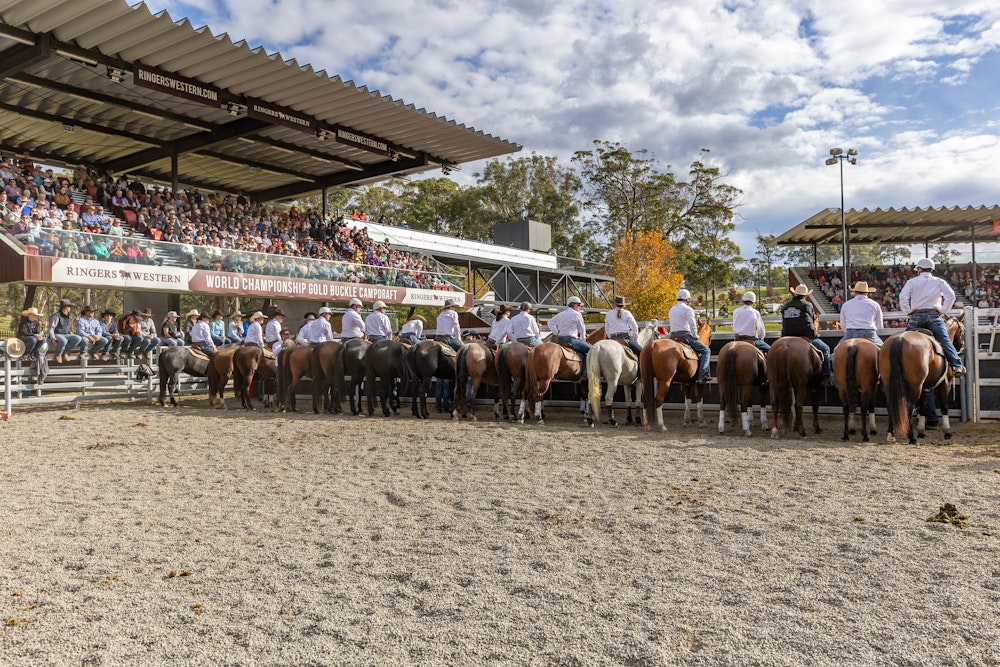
(295, 363)
(794, 367)
(855, 365)
(219, 372)
(351, 362)
(249, 361)
(171, 362)
(662, 361)
(911, 365)
(545, 363)
(510, 364)
(608, 359)
(419, 364)
(382, 362)
(741, 367)
(478, 362)
(326, 382)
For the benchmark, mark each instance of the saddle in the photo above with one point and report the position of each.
(760, 353)
(196, 352)
(445, 348)
(628, 351)
(569, 353)
(938, 350)
(686, 348)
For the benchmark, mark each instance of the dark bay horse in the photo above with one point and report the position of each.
(510, 365)
(478, 362)
(249, 362)
(741, 369)
(663, 361)
(294, 363)
(794, 368)
(420, 364)
(170, 363)
(326, 383)
(855, 365)
(219, 372)
(351, 363)
(545, 363)
(911, 364)
(382, 375)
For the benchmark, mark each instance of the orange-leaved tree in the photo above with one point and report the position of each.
(645, 274)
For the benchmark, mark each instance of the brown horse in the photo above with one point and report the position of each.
(545, 363)
(249, 362)
(663, 361)
(326, 382)
(477, 362)
(219, 371)
(294, 363)
(510, 365)
(741, 368)
(855, 365)
(794, 367)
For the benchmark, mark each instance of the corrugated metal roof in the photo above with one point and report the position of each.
(905, 226)
(68, 110)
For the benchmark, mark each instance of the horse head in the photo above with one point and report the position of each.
(705, 330)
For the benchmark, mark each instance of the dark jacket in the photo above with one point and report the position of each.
(798, 318)
(28, 328)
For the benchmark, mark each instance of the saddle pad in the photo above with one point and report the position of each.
(570, 354)
(267, 353)
(447, 349)
(628, 351)
(196, 352)
(938, 350)
(689, 352)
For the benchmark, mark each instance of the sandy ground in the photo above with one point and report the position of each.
(137, 535)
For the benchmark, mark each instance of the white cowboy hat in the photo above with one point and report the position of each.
(861, 287)
(30, 311)
(193, 313)
(14, 348)
(802, 290)
(257, 315)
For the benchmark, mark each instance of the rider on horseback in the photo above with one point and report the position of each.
(377, 325)
(201, 336)
(798, 318)
(318, 330)
(748, 325)
(413, 328)
(684, 326)
(352, 326)
(448, 329)
(255, 332)
(524, 327)
(568, 327)
(500, 331)
(620, 325)
(924, 297)
(861, 317)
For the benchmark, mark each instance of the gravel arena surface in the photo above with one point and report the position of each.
(134, 535)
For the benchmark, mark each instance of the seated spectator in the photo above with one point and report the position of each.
(236, 331)
(61, 335)
(148, 340)
(29, 330)
(170, 333)
(113, 338)
(217, 329)
(89, 329)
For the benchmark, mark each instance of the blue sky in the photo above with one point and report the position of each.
(767, 86)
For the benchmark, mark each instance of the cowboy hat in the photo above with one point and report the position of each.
(801, 290)
(14, 348)
(620, 301)
(147, 312)
(87, 309)
(30, 311)
(257, 315)
(449, 303)
(861, 287)
(171, 313)
(237, 314)
(65, 302)
(108, 311)
(193, 313)
(925, 263)
(423, 320)
(217, 313)
(278, 313)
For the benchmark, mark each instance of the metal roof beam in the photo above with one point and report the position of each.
(16, 59)
(256, 165)
(339, 179)
(237, 128)
(93, 127)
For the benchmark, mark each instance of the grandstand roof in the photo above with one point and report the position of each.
(100, 82)
(905, 225)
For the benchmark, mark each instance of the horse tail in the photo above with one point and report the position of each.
(594, 382)
(895, 390)
(648, 385)
(461, 377)
(406, 374)
(853, 391)
(530, 380)
(781, 385)
(729, 378)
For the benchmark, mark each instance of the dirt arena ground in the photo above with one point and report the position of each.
(139, 535)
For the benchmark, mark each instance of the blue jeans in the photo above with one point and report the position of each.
(66, 343)
(867, 334)
(632, 343)
(205, 347)
(758, 342)
(412, 337)
(581, 346)
(534, 341)
(825, 350)
(97, 346)
(146, 344)
(114, 346)
(455, 343)
(376, 337)
(219, 340)
(171, 342)
(30, 343)
(932, 321)
(442, 394)
(704, 353)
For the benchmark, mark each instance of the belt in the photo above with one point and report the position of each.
(924, 310)
(620, 335)
(745, 337)
(270, 342)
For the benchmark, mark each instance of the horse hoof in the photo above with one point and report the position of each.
(646, 426)
(473, 418)
(774, 434)
(852, 431)
(846, 438)
(947, 436)
(890, 438)
(748, 434)
(873, 432)
(702, 424)
(540, 422)
(722, 432)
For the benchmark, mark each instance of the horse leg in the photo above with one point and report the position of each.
(425, 388)
(661, 396)
(942, 395)
(799, 402)
(815, 406)
(609, 398)
(247, 401)
(476, 384)
(699, 394)
(848, 419)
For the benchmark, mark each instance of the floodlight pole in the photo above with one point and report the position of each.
(838, 155)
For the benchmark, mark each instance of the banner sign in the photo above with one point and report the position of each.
(360, 140)
(996, 226)
(272, 113)
(124, 276)
(174, 84)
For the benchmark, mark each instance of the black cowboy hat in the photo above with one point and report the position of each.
(217, 313)
(204, 316)
(87, 309)
(65, 302)
(108, 311)
(276, 312)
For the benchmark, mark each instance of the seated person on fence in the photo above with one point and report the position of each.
(149, 341)
(89, 329)
(129, 329)
(61, 334)
(218, 328)
(500, 330)
(620, 325)
(524, 326)
(861, 317)
(568, 327)
(413, 329)
(799, 319)
(30, 331)
(448, 329)
(201, 336)
(235, 330)
(748, 325)
(377, 325)
(170, 332)
(684, 326)
(255, 332)
(113, 339)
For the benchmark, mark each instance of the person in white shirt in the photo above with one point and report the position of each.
(684, 326)
(255, 332)
(524, 327)
(319, 330)
(201, 335)
(352, 326)
(272, 332)
(448, 328)
(500, 332)
(377, 325)
(301, 336)
(569, 327)
(924, 298)
(861, 317)
(620, 325)
(413, 329)
(748, 325)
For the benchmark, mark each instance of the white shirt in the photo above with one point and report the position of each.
(926, 292)
(447, 324)
(202, 335)
(255, 334)
(861, 313)
(524, 325)
(618, 325)
(352, 326)
(317, 331)
(500, 330)
(568, 323)
(272, 332)
(378, 324)
(748, 322)
(277, 346)
(682, 319)
(415, 327)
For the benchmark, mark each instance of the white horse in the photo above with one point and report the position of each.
(607, 359)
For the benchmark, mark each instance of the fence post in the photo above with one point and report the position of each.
(970, 390)
(8, 386)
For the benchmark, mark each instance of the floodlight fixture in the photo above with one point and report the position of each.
(235, 108)
(836, 151)
(116, 74)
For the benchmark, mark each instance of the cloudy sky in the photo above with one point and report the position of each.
(768, 87)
